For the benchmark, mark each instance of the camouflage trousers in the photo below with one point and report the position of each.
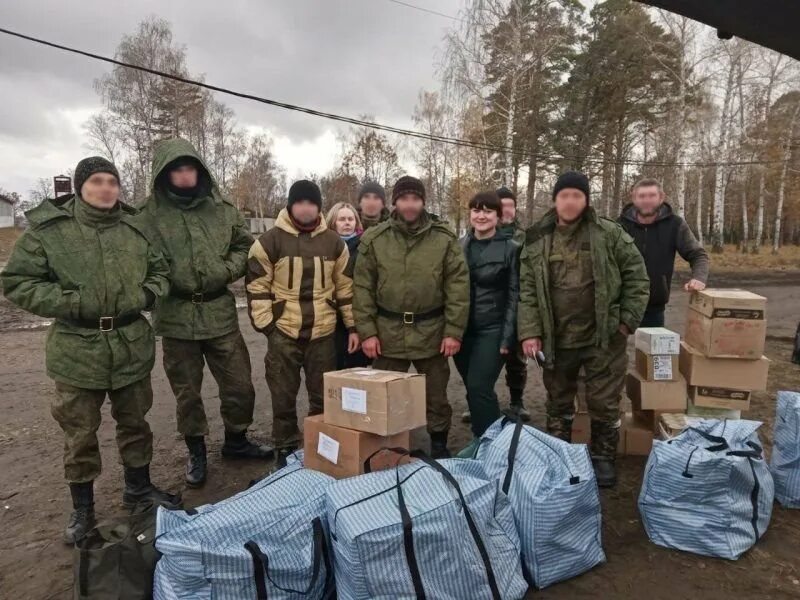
(516, 375)
(229, 362)
(285, 358)
(605, 370)
(437, 373)
(77, 411)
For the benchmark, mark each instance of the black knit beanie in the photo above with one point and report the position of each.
(89, 166)
(408, 185)
(572, 179)
(305, 190)
(504, 192)
(372, 187)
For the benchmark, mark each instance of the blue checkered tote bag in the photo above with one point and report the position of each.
(785, 461)
(708, 490)
(269, 541)
(436, 530)
(553, 492)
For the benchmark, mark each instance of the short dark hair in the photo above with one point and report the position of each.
(504, 192)
(648, 182)
(487, 200)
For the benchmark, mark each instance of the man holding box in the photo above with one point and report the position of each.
(659, 234)
(583, 290)
(411, 299)
(296, 283)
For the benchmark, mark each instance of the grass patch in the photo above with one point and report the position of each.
(731, 259)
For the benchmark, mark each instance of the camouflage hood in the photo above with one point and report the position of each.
(169, 150)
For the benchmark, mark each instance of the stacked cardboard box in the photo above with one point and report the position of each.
(722, 353)
(635, 439)
(365, 411)
(656, 386)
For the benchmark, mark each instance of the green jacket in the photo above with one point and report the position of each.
(406, 272)
(76, 262)
(516, 229)
(206, 242)
(621, 284)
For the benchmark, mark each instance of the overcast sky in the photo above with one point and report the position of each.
(349, 57)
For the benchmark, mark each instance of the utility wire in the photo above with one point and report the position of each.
(426, 10)
(378, 126)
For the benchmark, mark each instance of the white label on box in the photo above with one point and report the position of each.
(665, 344)
(354, 400)
(327, 447)
(662, 368)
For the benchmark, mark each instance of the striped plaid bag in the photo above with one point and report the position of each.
(269, 541)
(427, 529)
(785, 461)
(708, 490)
(553, 492)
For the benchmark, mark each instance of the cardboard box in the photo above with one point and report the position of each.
(638, 437)
(717, 397)
(652, 418)
(341, 452)
(657, 340)
(672, 424)
(727, 323)
(582, 432)
(734, 373)
(657, 367)
(373, 401)
(656, 395)
(712, 413)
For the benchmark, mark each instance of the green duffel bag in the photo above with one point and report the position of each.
(117, 558)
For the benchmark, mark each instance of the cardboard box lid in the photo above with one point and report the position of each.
(713, 302)
(370, 375)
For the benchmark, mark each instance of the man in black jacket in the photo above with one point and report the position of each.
(658, 234)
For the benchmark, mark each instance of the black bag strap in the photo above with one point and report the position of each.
(401, 452)
(261, 564)
(755, 451)
(721, 442)
(473, 528)
(512, 455)
(83, 573)
(408, 538)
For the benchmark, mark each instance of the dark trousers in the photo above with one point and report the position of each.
(285, 358)
(229, 362)
(479, 363)
(653, 317)
(516, 375)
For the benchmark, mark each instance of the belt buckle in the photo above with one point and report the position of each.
(408, 318)
(197, 297)
(106, 323)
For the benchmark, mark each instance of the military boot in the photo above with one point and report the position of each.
(238, 446)
(605, 439)
(138, 488)
(82, 518)
(560, 427)
(197, 463)
(439, 445)
(282, 456)
(516, 410)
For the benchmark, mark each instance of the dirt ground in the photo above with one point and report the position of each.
(34, 503)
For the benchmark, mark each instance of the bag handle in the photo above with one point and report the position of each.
(261, 564)
(401, 452)
(473, 529)
(721, 442)
(512, 453)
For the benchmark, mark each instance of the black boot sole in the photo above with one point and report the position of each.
(237, 455)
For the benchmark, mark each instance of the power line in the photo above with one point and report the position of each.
(426, 10)
(377, 126)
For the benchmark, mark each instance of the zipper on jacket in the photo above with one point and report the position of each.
(322, 270)
(291, 272)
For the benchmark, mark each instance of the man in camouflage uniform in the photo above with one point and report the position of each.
(206, 242)
(371, 204)
(411, 300)
(86, 261)
(583, 290)
(296, 283)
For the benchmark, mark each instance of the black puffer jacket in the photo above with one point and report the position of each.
(494, 286)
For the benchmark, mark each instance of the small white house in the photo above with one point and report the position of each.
(6, 212)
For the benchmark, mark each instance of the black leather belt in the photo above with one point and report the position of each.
(409, 318)
(103, 323)
(199, 297)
